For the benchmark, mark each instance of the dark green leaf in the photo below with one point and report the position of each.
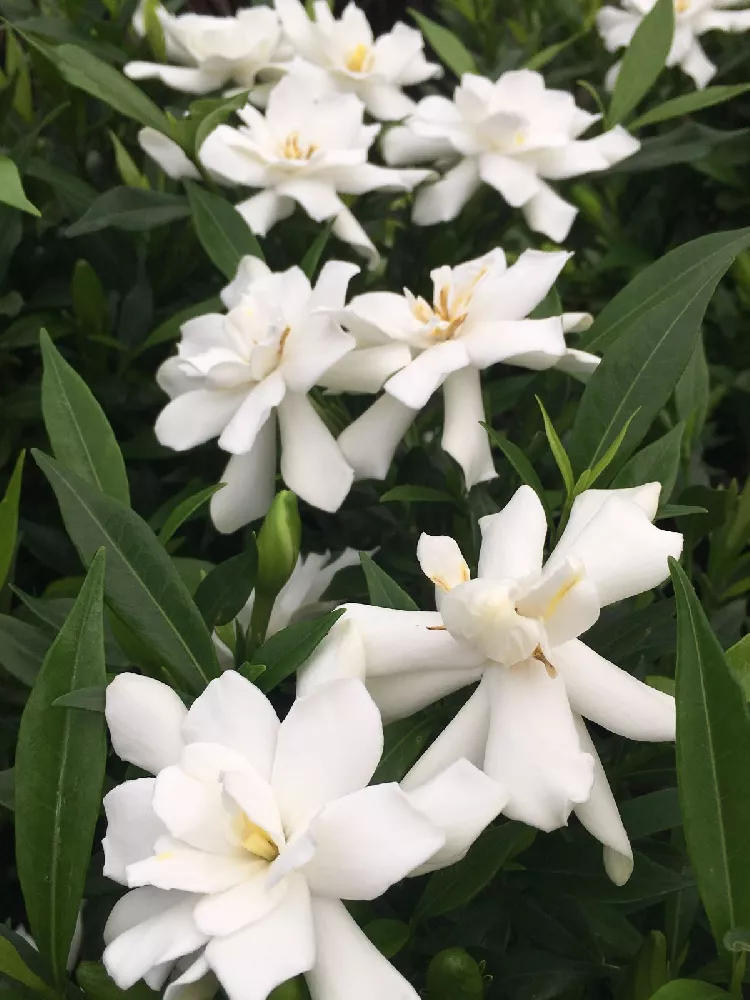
(689, 989)
(651, 813)
(312, 258)
(523, 467)
(738, 939)
(692, 394)
(22, 648)
(558, 451)
(686, 104)
(13, 966)
(452, 887)
(405, 741)
(226, 590)
(285, 652)
(677, 510)
(388, 936)
(529, 974)
(95, 982)
(416, 494)
(384, 592)
(224, 234)
(657, 462)
(142, 584)
(8, 788)
(131, 209)
(447, 46)
(713, 761)
(79, 432)
(185, 510)
(89, 699)
(212, 112)
(643, 61)
(170, 328)
(11, 189)
(59, 772)
(738, 658)
(9, 519)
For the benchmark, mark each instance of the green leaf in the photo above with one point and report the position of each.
(689, 989)
(219, 111)
(79, 432)
(523, 467)
(8, 789)
(683, 268)
(223, 233)
(388, 936)
(89, 699)
(713, 761)
(651, 813)
(643, 61)
(170, 328)
(142, 585)
(416, 494)
(686, 104)
(226, 590)
(22, 648)
(9, 519)
(692, 394)
(89, 299)
(128, 171)
(737, 940)
(447, 46)
(95, 982)
(590, 476)
(83, 70)
(384, 592)
(677, 510)
(285, 652)
(185, 510)
(312, 257)
(657, 462)
(131, 209)
(738, 658)
(405, 740)
(154, 30)
(11, 188)
(452, 887)
(638, 373)
(13, 966)
(60, 761)
(558, 451)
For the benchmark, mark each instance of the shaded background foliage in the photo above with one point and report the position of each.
(545, 922)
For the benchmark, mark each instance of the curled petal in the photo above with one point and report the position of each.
(370, 442)
(442, 562)
(513, 539)
(145, 721)
(415, 383)
(132, 826)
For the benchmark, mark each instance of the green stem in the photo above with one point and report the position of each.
(262, 608)
(738, 973)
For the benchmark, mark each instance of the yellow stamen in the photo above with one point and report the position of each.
(358, 59)
(255, 840)
(436, 628)
(538, 654)
(292, 150)
(563, 592)
(282, 340)
(681, 6)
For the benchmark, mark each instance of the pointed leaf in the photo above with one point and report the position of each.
(9, 519)
(11, 189)
(185, 510)
(14, 967)
(383, 590)
(226, 590)
(643, 61)
(131, 209)
(686, 104)
(447, 46)
(657, 462)
(60, 761)
(285, 652)
(558, 451)
(224, 234)
(22, 648)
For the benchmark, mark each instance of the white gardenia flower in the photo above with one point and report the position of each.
(240, 850)
(350, 60)
(212, 52)
(235, 372)
(477, 318)
(514, 135)
(693, 18)
(515, 629)
(308, 148)
(299, 597)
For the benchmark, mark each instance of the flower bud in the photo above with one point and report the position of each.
(278, 543)
(454, 975)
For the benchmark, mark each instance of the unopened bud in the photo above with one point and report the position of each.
(454, 975)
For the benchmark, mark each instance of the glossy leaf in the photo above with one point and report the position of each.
(56, 811)
(22, 648)
(558, 451)
(383, 590)
(311, 260)
(285, 652)
(448, 47)
(687, 104)
(388, 936)
(713, 761)
(131, 209)
(185, 510)
(11, 189)
(142, 585)
(643, 61)
(226, 590)
(88, 699)
(223, 233)
(81, 437)
(9, 519)
(657, 462)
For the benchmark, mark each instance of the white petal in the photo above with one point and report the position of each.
(370, 442)
(588, 504)
(513, 539)
(368, 841)
(533, 748)
(255, 960)
(464, 438)
(329, 745)
(548, 213)
(387, 102)
(613, 698)
(312, 350)
(414, 385)
(196, 417)
(465, 737)
(403, 145)
(566, 601)
(197, 982)
(185, 78)
(227, 912)
(340, 655)
(191, 811)
(178, 867)
(318, 199)
(332, 284)
(511, 294)
(347, 963)
(461, 802)
(146, 928)
(622, 552)
(249, 270)
(601, 817)
(366, 369)
(402, 694)
(698, 66)
(241, 432)
(515, 180)
(311, 461)
(264, 210)
(441, 561)
(247, 792)
(396, 641)
(529, 343)
(170, 157)
(250, 483)
(145, 721)
(443, 201)
(233, 712)
(576, 362)
(132, 826)
(348, 230)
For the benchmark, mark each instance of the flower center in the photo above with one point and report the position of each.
(484, 613)
(256, 840)
(682, 6)
(359, 59)
(291, 149)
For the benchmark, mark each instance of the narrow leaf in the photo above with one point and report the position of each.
(312, 258)
(689, 989)
(416, 494)
(9, 519)
(223, 233)
(657, 462)
(185, 510)
(285, 652)
(22, 648)
(170, 328)
(226, 590)
(142, 585)
(523, 467)
(713, 761)
(60, 761)
(383, 590)
(447, 46)
(558, 451)
(11, 189)
(14, 967)
(686, 104)
(95, 982)
(79, 432)
(90, 699)
(131, 209)
(643, 61)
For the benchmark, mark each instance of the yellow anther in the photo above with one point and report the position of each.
(292, 150)
(563, 592)
(538, 654)
(255, 840)
(358, 60)
(681, 6)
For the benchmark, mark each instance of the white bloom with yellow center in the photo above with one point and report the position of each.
(240, 850)
(693, 18)
(235, 372)
(514, 135)
(344, 53)
(478, 317)
(212, 51)
(515, 629)
(308, 148)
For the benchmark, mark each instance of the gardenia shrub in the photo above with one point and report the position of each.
(374, 532)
